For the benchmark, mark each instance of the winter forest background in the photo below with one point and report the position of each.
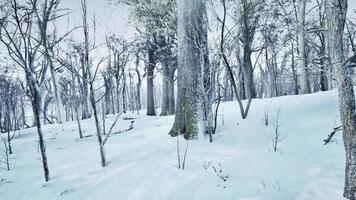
(177, 99)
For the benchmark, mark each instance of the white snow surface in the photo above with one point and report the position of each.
(142, 163)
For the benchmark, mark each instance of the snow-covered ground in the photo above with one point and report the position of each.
(142, 163)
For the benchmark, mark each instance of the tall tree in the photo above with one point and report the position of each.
(305, 83)
(90, 82)
(250, 12)
(336, 13)
(150, 67)
(188, 118)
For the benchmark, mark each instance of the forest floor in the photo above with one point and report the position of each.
(142, 163)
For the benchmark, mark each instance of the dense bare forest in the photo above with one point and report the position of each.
(177, 99)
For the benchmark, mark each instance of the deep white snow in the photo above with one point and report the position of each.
(142, 163)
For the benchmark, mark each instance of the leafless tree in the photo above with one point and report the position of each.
(336, 18)
(18, 35)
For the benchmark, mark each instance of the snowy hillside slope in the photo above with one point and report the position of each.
(142, 162)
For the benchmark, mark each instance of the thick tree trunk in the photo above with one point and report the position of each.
(165, 89)
(248, 22)
(189, 119)
(250, 89)
(171, 93)
(336, 13)
(151, 111)
(323, 77)
(84, 96)
(305, 83)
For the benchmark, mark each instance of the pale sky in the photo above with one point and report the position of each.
(115, 18)
(108, 17)
(352, 9)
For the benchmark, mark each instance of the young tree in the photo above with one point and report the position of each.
(229, 69)
(46, 13)
(120, 51)
(90, 81)
(17, 34)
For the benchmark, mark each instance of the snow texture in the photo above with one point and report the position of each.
(142, 163)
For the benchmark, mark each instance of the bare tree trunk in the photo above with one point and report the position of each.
(57, 99)
(138, 85)
(36, 107)
(43, 19)
(151, 111)
(108, 93)
(323, 77)
(244, 112)
(249, 18)
(85, 62)
(23, 114)
(271, 75)
(171, 93)
(76, 106)
(239, 61)
(294, 72)
(97, 125)
(90, 81)
(77, 117)
(20, 45)
(207, 79)
(165, 89)
(188, 118)
(117, 78)
(250, 89)
(84, 96)
(305, 83)
(124, 99)
(323, 54)
(336, 12)
(8, 133)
